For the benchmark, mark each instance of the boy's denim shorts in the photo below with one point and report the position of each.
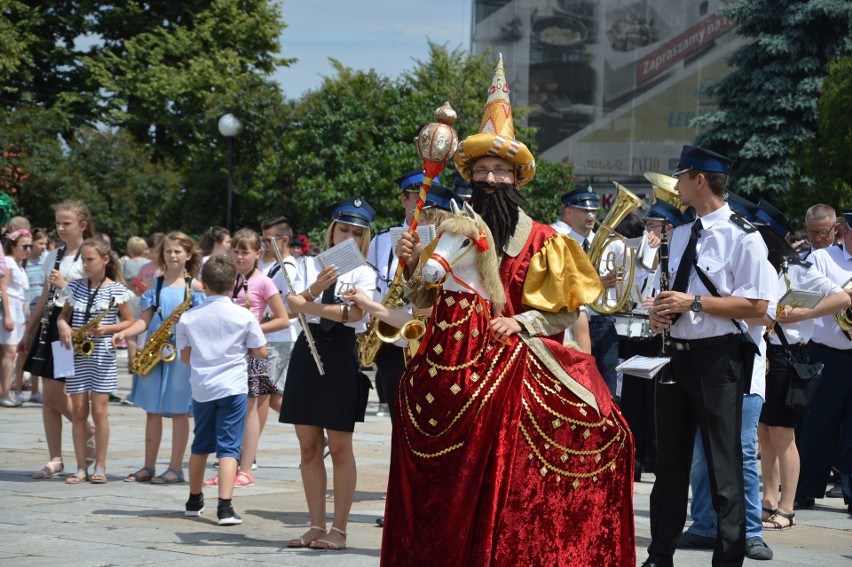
(219, 426)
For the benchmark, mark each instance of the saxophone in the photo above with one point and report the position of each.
(379, 332)
(80, 337)
(158, 348)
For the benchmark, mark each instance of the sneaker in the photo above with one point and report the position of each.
(113, 399)
(227, 516)
(35, 398)
(836, 491)
(689, 540)
(125, 401)
(18, 397)
(254, 465)
(757, 549)
(8, 402)
(194, 506)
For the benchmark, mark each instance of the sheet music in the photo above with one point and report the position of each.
(427, 234)
(345, 257)
(49, 262)
(643, 366)
(63, 360)
(800, 298)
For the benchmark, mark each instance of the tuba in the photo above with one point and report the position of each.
(624, 203)
(664, 189)
(844, 318)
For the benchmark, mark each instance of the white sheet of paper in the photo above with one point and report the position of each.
(63, 360)
(642, 366)
(49, 261)
(345, 257)
(427, 234)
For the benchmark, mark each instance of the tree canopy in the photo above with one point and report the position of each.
(117, 103)
(768, 102)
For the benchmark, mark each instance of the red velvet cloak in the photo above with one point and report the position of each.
(496, 462)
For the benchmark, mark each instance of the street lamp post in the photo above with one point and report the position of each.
(230, 126)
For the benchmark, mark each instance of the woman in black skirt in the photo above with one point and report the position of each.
(330, 403)
(779, 461)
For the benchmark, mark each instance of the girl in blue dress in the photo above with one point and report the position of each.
(165, 390)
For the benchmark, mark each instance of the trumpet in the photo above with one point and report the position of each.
(80, 337)
(624, 203)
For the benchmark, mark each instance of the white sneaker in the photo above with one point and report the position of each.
(35, 398)
(19, 397)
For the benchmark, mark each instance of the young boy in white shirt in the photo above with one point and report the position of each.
(213, 339)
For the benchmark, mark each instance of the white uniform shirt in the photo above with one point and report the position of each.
(219, 333)
(835, 263)
(291, 333)
(382, 257)
(362, 277)
(804, 277)
(732, 259)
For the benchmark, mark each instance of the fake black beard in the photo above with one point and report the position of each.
(500, 210)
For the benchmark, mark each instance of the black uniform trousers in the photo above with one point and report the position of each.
(708, 395)
(637, 403)
(390, 364)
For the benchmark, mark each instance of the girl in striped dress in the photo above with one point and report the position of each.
(95, 374)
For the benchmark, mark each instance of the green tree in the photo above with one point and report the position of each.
(768, 102)
(354, 135)
(825, 159)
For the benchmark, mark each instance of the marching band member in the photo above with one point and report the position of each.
(712, 358)
(829, 419)
(332, 402)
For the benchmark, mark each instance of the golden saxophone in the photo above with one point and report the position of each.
(80, 337)
(379, 332)
(158, 347)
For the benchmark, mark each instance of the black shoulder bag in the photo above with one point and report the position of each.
(803, 377)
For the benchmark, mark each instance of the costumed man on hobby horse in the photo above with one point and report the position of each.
(507, 447)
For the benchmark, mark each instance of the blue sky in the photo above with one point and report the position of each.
(385, 35)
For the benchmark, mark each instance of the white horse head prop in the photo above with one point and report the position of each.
(464, 258)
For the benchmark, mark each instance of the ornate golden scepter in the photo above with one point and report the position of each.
(436, 144)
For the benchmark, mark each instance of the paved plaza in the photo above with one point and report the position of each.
(48, 522)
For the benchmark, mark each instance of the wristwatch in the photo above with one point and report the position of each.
(696, 304)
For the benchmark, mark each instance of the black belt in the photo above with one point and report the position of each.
(695, 344)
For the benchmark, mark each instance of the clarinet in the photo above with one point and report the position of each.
(41, 348)
(666, 377)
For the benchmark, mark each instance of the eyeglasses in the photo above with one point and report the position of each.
(268, 241)
(821, 233)
(498, 172)
(27, 246)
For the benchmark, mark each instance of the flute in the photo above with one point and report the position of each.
(302, 320)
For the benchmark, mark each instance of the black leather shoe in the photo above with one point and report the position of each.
(804, 502)
(757, 549)
(652, 563)
(689, 540)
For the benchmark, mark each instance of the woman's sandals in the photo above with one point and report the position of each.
(305, 540)
(51, 470)
(773, 524)
(327, 544)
